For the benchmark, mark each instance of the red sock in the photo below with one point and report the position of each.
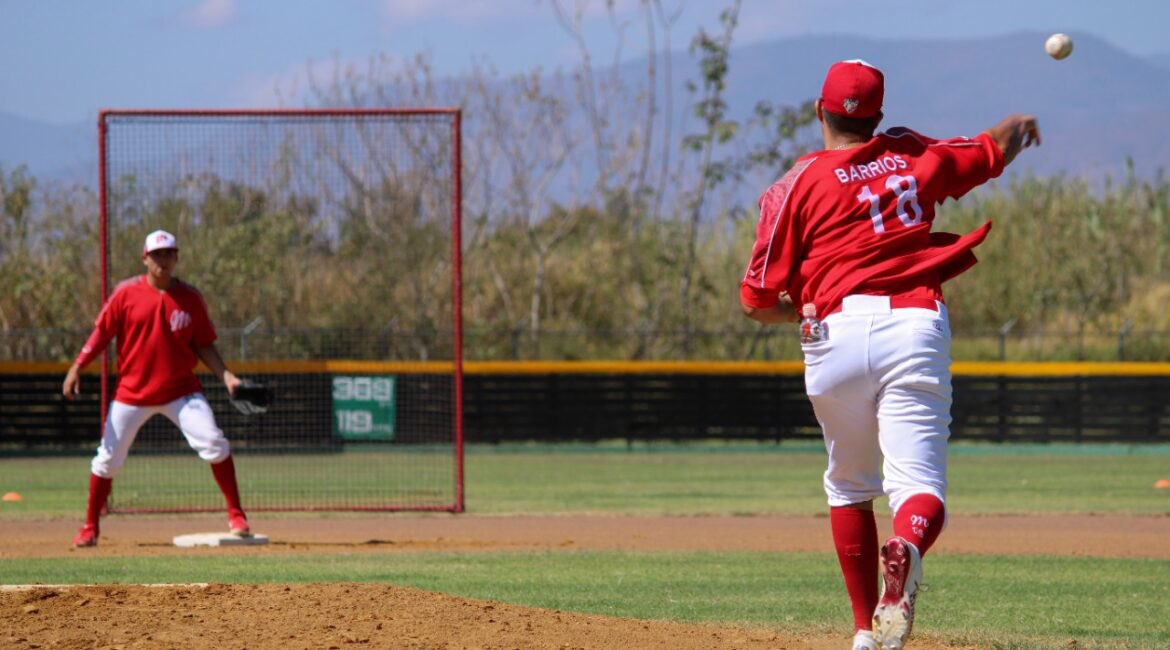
(225, 476)
(919, 520)
(856, 540)
(99, 491)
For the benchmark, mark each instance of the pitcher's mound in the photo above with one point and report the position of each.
(218, 539)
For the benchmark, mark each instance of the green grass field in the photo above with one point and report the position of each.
(997, 601)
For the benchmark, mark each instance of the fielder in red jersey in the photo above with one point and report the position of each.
(158, 333)
(844, 243)
(163, 330)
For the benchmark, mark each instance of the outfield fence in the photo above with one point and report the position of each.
(557, 401)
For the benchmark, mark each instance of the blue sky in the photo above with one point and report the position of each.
(67, 59)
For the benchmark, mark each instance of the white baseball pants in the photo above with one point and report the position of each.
(880, 384)
(191, 413)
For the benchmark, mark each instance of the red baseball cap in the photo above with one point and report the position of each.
(853, 88)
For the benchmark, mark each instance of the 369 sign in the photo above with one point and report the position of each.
(363, 407)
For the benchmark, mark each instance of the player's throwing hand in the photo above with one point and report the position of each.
(1015, 133)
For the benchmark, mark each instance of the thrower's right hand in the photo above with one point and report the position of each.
(1015, 133)
(71, 387)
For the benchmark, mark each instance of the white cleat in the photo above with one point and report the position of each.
(864, 640)
(901, 575)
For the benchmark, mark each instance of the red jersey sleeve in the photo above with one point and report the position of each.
(971, 162)
(965, 163)
(106, 326)
(776, 252)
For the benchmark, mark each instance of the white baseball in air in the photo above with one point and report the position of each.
(1058, 46)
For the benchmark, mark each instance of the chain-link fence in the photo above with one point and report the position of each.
(256, 342)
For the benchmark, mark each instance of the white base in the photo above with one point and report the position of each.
(218, 539)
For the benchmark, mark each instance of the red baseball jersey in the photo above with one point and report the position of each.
(158, 333)
(857, 221)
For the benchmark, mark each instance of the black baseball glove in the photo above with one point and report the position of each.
(251, 397)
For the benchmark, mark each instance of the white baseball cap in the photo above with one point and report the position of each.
(158, 240)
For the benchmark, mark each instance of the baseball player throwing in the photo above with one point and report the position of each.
(163, 330)
(844, 242)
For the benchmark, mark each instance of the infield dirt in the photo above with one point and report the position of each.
(381, 616)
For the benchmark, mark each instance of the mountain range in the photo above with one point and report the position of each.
(1097, 109)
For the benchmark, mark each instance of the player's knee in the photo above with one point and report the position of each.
(844, 493)
(216, 452)
(104, 467)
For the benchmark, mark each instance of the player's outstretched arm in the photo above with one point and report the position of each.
(1015, 133)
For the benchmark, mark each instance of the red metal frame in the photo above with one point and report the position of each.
(456, 250)
(457, 287)
(103, 245)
